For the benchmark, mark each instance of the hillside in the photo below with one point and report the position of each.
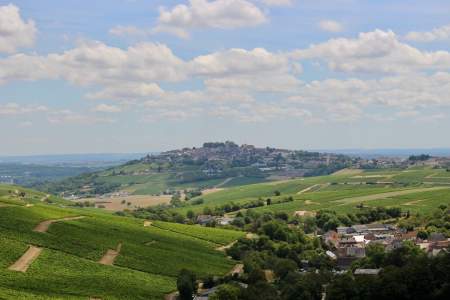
(416, 189)
(84, 253)
(212, 165)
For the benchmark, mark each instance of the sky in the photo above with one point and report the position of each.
(121, 76)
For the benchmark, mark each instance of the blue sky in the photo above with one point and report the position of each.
(139, 76)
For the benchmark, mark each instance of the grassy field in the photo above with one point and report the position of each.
(67, 268)
(343, 191)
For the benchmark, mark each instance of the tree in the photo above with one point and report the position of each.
(190, 214)
(186, 284)
(277, 193)
(226, 292)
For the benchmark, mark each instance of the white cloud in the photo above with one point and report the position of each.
(278, 2)
(128, 31)
(127, 91)
(437, 34)
(239, 61)
(202, 14)
(105, 108)
(62, 117)
(14, 31)
(13, 109)
(331, 26)
(374, 52)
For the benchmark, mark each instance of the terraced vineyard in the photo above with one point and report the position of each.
(67, 268)
(415, 189)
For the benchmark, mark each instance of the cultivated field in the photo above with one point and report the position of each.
(86, 253)
(415, 189)
(121, 203)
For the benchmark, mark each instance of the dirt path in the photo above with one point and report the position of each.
(45, 198)
(43, 226)
(23, 263)
(223, 248)
(223, 183)
(313, 187)
(110, 256)
(171, 296)
(386, 195)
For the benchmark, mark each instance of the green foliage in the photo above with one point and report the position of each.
(186, 284)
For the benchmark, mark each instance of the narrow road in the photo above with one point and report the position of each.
(24, 262)
(223, 183)
(110, 256)
(43, 226)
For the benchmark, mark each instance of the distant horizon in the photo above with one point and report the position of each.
(380, 151)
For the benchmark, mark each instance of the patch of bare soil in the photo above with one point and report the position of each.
(43, 226)
(309, 202)
(24, 262)
(269, 275)
(311, 188)
(212, 190)
(110, 256)
(237, 269)
(251, 236)
(413, 202)
(303, 213)
(223, 248)
(348, 172)
(171, 296)
(121, 203)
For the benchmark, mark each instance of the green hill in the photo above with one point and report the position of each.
(414, 189)
(212, 165)
(148, 261)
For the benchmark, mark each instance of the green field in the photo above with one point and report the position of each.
(146, 267)
(342, 192)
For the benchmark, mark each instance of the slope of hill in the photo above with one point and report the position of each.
(57, 252)
(414, 189)
(212, 165)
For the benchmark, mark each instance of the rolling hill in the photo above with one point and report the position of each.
(415, 189)
(52, 251)
(212, 165)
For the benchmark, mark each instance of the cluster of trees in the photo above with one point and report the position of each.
(159, 212)
(280, 250)
(437, 222)
(407, 273)
(422, 157)
(330, 220)
(76, 185)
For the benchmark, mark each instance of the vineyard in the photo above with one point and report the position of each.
(146, 267)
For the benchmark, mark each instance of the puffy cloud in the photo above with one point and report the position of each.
(201, 14)
(95, 63)
(106, 108)
(239, 61)
(70, 117)
(350, 99)
(437, 34)
(278, 2)
(127, 91)
(13, 109)
(14, 31)
(372, 52)
(331, 26)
